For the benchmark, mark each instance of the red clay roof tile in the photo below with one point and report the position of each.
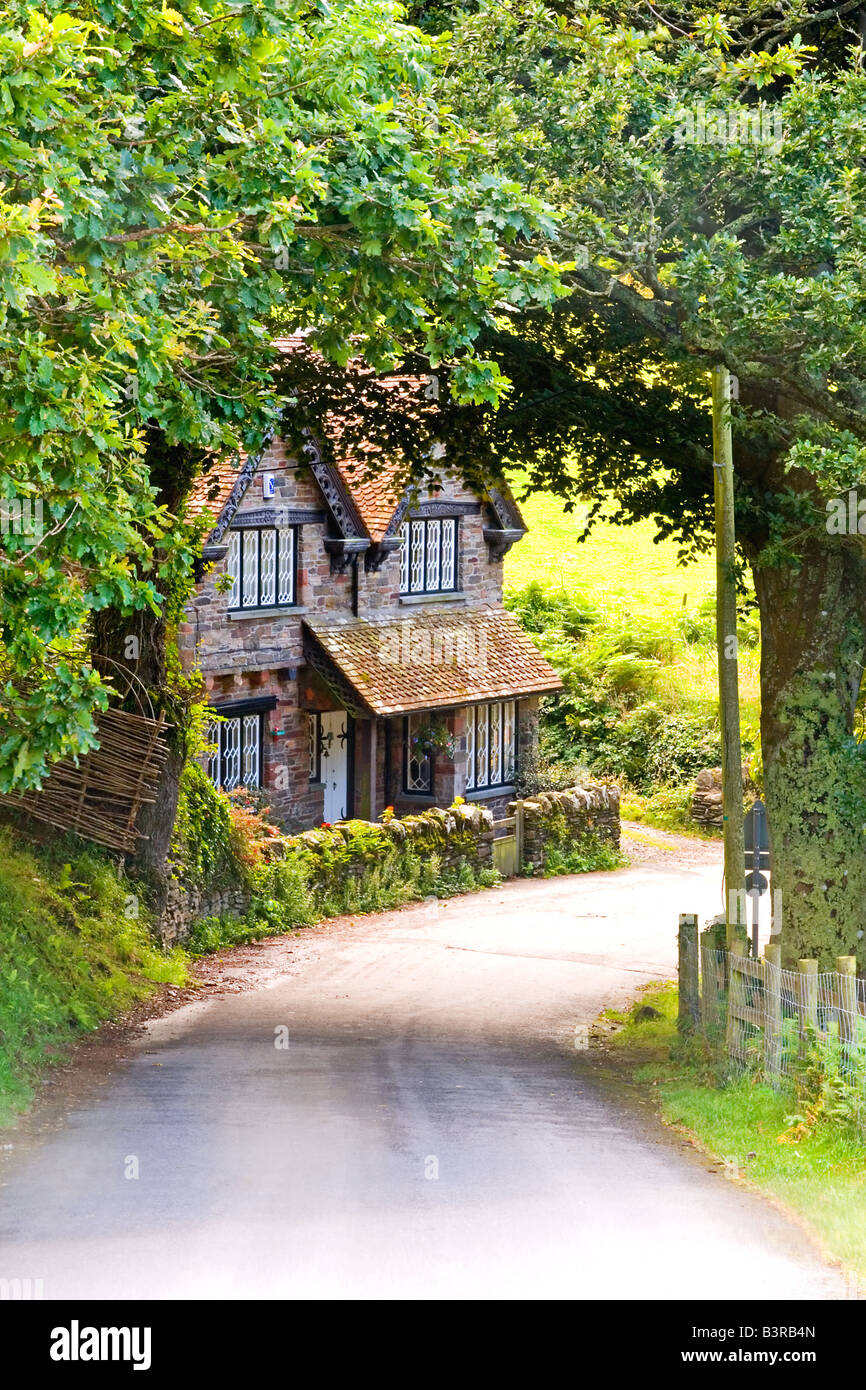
(435, 660)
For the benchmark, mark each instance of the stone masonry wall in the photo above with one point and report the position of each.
(459, 833)
(224, 644)
(706, 809)
(584, 810)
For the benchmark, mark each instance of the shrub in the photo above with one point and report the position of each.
(585, 854)
(624, 711)
(203, 845)
(668, 808)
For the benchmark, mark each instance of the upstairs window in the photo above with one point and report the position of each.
(262, 566)
(491, 745)
(429, 556)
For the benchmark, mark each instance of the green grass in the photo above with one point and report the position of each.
(623, 563)
(820, 1174)
(72, 954)
(667, 809)
(586, 854)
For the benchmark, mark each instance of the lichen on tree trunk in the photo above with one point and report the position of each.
(813, 626)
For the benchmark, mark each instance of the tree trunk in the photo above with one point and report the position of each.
(131, 651)
(813, 632)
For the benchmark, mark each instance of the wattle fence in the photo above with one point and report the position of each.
(768, 1019)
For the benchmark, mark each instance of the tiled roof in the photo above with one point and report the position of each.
(212, 489)
(376, 495)
(375, 484)
(434, 659)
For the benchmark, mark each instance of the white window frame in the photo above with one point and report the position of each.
(416, 786)
(236, 750)
(429, 553)
(491, 745)
(272, 584)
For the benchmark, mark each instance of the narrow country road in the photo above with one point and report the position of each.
(428, 1131)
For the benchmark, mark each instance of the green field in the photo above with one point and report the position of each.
(631, 575)
(622, 563)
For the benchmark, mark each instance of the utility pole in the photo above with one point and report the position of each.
(726, 641)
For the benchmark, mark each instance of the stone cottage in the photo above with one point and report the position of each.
(352, 638)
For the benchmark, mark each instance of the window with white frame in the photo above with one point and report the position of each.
(262, 566)
(428, 555)
(491, 744)
(418, 757)
(236, 751)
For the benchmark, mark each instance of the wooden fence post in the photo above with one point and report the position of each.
(846, 967)
(807, 1003)
(772, 1009)
(733, 1027)
(689, 995)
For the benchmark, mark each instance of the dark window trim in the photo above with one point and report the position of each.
(242, 607)
(455, 587)
(225, 712)
(264, 518)
(442, 510)
(413, 791)
(246, 706)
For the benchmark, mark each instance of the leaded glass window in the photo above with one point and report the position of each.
(235, 756)
(262, 566)
(491, 744)
(429, 556)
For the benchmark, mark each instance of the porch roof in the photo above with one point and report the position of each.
(429, 660)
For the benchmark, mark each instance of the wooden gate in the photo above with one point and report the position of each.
(508, 844)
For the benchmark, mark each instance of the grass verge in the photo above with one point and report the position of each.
(817, 1171)
(667, 809)
(75, 950)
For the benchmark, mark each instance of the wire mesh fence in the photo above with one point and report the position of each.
(775, 1021)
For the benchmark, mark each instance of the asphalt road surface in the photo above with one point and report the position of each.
(398, 1109)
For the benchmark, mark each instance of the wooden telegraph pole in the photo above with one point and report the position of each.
(726, 641)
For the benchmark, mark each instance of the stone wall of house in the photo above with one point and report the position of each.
(223, 644)
(243, 655)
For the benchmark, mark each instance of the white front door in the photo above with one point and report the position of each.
(335, 763)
